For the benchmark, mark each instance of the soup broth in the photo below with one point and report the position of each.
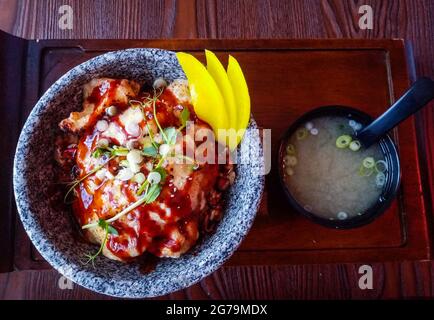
(330, 174)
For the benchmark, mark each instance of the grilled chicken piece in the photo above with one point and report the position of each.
(98, 95)
(180, 90)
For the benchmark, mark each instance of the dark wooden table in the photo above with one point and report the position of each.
(138, 19)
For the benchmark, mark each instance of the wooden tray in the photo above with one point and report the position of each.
(286, 78)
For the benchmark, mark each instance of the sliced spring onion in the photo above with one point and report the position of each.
(365, 172)
(135, 156)
(301, 133)
(355, 125)
(355, 145)
(368, 163)
(111, 111)
(290, 161)
(154, 177)
(380, 179)
(139, 178)
(342, 215)
(159, 83)
(289, 171)
(314, 131)
(381, 166)
(164, 149)
(309, 125)
(343, 141)
(290, 149)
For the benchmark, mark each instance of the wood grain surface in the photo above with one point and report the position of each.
(110, 19)
(392, 281)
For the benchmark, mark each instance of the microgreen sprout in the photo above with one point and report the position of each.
(151, 136)
(154, 108)
(185, 116)
(108, 229)
(74, 184)
(150, 151)
(110, 151)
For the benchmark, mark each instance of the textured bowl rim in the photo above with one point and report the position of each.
(30, 221)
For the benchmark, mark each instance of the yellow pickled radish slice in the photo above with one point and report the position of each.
(218, 72)
(241, 94)
(206, 98)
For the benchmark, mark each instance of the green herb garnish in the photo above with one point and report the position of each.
(77, 182)
(108, 230)
(101, 151)
(151, 151)
(143, 187)
(151, 136)
(119, 151)
(185, 116)
(171, 134)
(153, 193)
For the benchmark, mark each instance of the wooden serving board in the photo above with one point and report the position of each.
(286, 78)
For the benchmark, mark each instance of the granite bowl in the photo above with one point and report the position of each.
(49, 224)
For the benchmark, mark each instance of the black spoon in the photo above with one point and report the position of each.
(419, 95)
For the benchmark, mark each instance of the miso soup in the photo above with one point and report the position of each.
(328, 172)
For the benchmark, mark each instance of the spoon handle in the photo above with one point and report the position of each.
(419, 94)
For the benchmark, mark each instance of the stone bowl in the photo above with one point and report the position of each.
(49, 224)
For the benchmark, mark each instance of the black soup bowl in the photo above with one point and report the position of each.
(372, 131)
